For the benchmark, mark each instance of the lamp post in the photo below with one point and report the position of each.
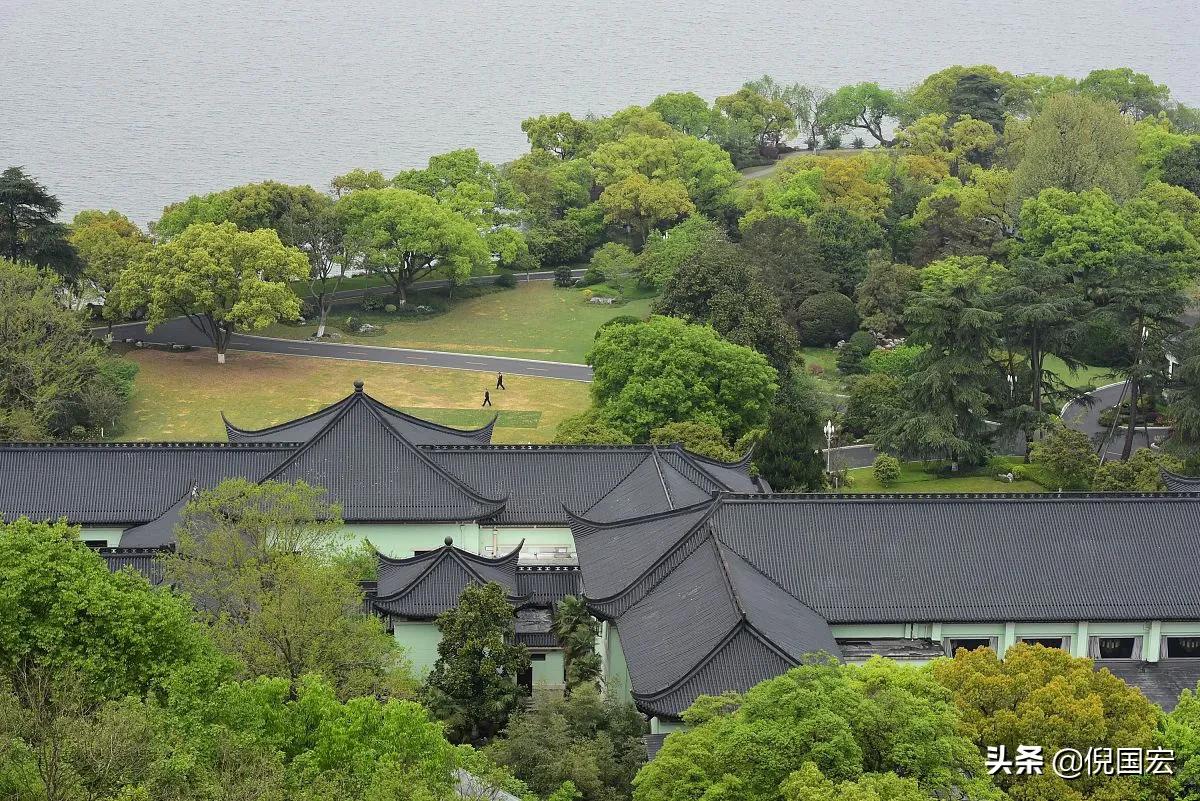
(828, 446)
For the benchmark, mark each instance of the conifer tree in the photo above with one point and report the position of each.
(788, 455)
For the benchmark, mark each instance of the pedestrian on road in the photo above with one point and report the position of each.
(487, 398)
(499, 380)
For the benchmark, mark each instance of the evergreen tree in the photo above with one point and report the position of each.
(1185, 398)
(473, 685)
(788, 456)
(29, 230)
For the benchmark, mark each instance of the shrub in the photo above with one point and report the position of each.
(833, 140)
(590, 428)
(825, 318)
(353, 324)
(390, 308)
(852, 354)
(506, 280)
(591, 277)
(871, 404)
(702, 438)
(857, 143)
(557, 242)
(563, 277)
(815, 369)
(370, 303)
(620, 319)
(896, 362)
(886, 470)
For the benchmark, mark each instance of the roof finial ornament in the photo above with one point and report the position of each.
(358, 385)
(449, 541)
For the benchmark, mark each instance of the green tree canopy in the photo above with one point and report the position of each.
(473, 685)
(56, 380)
(29, 230)
(1134, 93)
(702, 438)
(560, 134)
(666, 370)
(664, 253)
(687, 112)
(1181, 167)
(788, 455)
(220, 278)
(865, 106)
(643, 204)
(405, 236)
(719, 285)
(1076, 144)
(864, 725)
(1045, 696)
(107, 244)
(592, 742)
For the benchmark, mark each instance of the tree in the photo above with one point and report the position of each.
(666, 370)
(1181, 733)
(872, 403)
(590, 428)
(1077, 144)
(472, 187)
(220, 278)
(1134, 93)
(844, 243)
(1046, 695)
(643, 205)
(719, 286)
(577, 631)
(550, 185)
(972, 91)
(886, 469)
(610, 260)
(560, 134)
(405, 236)
(28, 227)
(769, 122)
(948, 394)
(355, 180)
(687, 112)
(825, 319)
(51, 587)
(1141, 472)
(864, 106)
(664, 253)
(259, 563)
(1181, 167)
(883, 295)
(788, 256)
(107, 243)
(702, 438)
(1185, 394)
(853, 352)
(56, 380)
(865, 725)
(1069, 456)
(593, 743)
(979, 96)
(788, 456)
(473, 685)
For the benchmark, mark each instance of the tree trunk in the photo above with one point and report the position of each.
(1132, 430)
(323, 315)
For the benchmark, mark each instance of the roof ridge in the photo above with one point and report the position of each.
(144, 445)
(599, 524)
(730, 587)
(809, 497)
(356, 398)
(662, 480)
(441, 554)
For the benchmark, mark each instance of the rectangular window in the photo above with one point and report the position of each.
(953, 644)
(1115, 647)
(537, 657)
(1183, 647)
(1047, 642)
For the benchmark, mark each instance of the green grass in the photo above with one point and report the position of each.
(829, 379)
(1085, 377)
(536, 320)
(180, 396)
(920, 477)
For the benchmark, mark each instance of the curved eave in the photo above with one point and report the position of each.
(465, 558)
(483, 434)
(332, 410)
(587, 526)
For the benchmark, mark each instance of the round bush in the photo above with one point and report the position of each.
(390, 308)
(825, 318)
(886, 469)
(506, 280)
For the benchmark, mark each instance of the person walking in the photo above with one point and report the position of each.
(500, 381)
(487, 398)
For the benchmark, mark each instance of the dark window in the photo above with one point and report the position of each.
(1183, 647)
(537, 657)
(1045, 642)
(1115, 647)
(969, 643)
(96, 543)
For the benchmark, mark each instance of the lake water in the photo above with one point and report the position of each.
(133, 104)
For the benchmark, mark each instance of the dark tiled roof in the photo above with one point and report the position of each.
(720, 595)
(652, 486)
(421, 587)
(144, 560)
(375, 474)
(120, 483)
(413, 429)
(1161, 682)
(1179, 483)
(546, 585)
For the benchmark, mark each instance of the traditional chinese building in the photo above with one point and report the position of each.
(703, 581)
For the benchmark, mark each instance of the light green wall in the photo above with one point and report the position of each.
(548, 673)
(420, 641)
(616, 670)
(661, 726)
(112, 536)
(544, 541)
(400, 540)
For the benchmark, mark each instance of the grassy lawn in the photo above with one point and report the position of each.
(180, 396)
(914, 478)
(830, 379)
(534, 321)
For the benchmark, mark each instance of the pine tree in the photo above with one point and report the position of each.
(577, 630)
(788, 455)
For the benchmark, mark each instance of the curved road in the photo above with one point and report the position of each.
(1084, 416)
(181, 331)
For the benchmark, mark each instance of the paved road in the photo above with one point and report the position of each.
(183, 332)
(1083, 416)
